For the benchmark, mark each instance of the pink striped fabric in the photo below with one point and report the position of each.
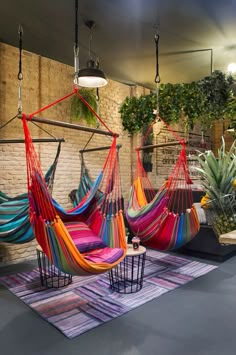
(83, 237)
(105, 255)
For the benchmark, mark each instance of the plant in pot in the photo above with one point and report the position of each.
(218, 174)
(80, 111)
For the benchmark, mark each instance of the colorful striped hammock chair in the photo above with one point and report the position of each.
(92, 241)
(84, 187)
(86, 182)
(15, 227)
(165, 220)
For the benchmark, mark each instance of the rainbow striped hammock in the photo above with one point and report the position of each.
(15, 227)
(104, 217)
(167, 219)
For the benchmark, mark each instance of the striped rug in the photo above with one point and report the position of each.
(89, 302)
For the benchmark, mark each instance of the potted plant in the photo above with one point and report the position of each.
(219, 181)
(80, 111)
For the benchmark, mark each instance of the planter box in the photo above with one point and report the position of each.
(205, 244)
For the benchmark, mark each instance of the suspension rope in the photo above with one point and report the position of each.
(181, 141)
(50, 105)
(20, 74)
(157, 81)
(76, 46)
(76, 91)
(20, 32)
(148, 131)
(76, 24)
(157, 77)
(87, 143)
(6, 123)
(44, 130)
(158, 118)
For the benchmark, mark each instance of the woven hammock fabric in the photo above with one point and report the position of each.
(103, 216)
(15, 227)
(84, 187)
(167, 219)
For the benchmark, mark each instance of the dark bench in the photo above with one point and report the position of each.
(205, 243)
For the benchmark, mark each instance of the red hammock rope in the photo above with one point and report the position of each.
(35, 172)
(75, 92)
(93, 111)
(178, 183)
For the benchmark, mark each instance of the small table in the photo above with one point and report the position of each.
(127, 276)
(50, 276)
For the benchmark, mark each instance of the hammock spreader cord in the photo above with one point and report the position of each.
(94, 112)
(75, 92)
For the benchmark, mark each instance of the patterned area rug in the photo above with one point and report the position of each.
(89, 302)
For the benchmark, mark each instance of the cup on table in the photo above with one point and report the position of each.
(135, 243)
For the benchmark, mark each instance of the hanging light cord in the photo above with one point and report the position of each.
(20, 74)
(90, 42)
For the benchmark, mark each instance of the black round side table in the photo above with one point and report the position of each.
(50, 276)
(127, 276)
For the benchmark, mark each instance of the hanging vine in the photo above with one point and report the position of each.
(204, 101)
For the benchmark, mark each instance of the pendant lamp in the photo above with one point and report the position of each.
(91, 76)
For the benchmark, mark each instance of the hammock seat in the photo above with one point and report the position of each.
(15, 224)
(165, 220)
(62, 234)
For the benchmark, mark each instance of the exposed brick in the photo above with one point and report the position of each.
(45, 81)
(43, 84)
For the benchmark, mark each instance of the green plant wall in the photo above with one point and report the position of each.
(209, 99)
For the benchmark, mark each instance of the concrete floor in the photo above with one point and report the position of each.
(198, 318)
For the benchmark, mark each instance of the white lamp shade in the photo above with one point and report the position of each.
(92, 76)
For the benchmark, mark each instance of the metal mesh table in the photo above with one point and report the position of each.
(50, 276)
(127, 276)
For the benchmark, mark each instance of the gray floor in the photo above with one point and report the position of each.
(198, 318)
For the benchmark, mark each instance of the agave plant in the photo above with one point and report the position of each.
(218, 179)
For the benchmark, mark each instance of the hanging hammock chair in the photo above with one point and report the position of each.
(85, 185)
(92, 240)
(86, 182)
(15, 225)
(165, 220)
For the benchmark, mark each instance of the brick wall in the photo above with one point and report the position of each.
(45, 81)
